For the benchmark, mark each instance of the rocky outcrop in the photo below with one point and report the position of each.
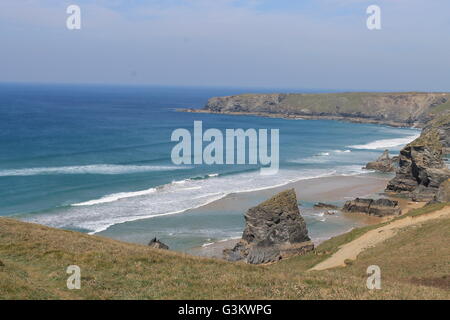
(384, 163)
(421, 166)
(155, 243)
(398, 109)
(274, 229)
(322, 205)
(380, 207)
(443, 193)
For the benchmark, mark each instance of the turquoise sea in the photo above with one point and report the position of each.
(90, 158)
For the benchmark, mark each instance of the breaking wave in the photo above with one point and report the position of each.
(176, 197)
(87, 169)
(386, 143)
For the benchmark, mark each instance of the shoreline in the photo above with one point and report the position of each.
(215, 249)
(224, 218)
(394, 124)
(334, 189)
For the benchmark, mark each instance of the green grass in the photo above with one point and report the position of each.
(395, 108)
(35, 259)
(442, 108)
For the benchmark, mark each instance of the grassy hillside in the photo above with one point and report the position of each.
(34, 259)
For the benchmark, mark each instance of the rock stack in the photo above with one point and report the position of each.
(384, 163)
(274, 229)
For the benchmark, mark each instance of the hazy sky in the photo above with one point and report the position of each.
(260, 43)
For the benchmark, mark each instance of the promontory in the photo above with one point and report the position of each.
(411, 109)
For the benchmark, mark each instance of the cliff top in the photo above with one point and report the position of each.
(283, 199)
(435, 132)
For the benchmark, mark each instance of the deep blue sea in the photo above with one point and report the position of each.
(87, 158)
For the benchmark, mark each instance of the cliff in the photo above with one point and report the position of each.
(421, 166)
(396, 109)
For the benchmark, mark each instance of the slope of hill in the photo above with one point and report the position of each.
(34, 259)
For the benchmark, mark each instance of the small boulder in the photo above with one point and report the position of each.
(1, 263)
(322, 205)
(155, 243)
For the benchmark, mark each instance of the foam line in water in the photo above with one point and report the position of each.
(115, 197)
(135, 218)
(386, 143)
(87, 169)
(174, 198)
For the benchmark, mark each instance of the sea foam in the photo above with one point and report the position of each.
(386, 143)
(99, 214)
(105, 169)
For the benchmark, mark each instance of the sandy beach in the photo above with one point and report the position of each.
(335, 189)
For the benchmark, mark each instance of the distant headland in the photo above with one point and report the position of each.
(399, 109)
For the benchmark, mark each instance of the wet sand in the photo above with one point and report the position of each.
(336, 189)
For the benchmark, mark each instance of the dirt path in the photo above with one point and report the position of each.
(373, 237)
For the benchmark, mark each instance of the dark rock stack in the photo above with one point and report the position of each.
(155, 243)
(274, 229)
(380, 207)
(421, 166)
(384, 163)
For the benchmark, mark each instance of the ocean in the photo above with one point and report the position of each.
(92, 158)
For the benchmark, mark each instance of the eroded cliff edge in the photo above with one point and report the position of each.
(395, 109)
(422, 170)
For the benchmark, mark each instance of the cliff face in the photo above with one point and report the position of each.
(443, 194)
(421, 166)
(402, 109)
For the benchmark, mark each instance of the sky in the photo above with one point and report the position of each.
(313, 44)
